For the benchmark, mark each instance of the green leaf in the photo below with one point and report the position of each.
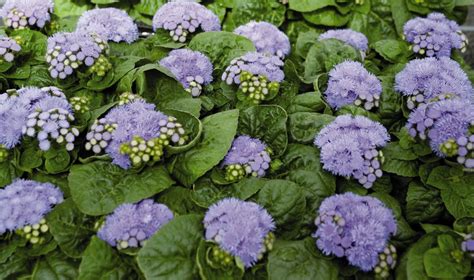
(284, 200)
(401, 167)
(218, 133)
(66, 8)
(148, 7)
(305, 126)
(309, 5)
(327, 16)
(424, 204)
(55, 266)
(221, 47)
(306, 102)
(324, 55)
(258, 10)
(267, 123)
(392, 50)
(100, 261)
(170, 253)
(191, 125)
(70, 228)
(439, 262)
(457, 190)
(206, 269)
(98, 188)
(299, 260)
(415, 267)
(400, 14)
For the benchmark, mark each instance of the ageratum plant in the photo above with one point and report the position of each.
(243, 139)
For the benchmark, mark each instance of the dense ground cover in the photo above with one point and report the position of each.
(235, 139)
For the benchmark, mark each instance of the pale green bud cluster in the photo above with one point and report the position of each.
(101, 66)
(141, 151)
(268, 244)
(35, 233)
(449, 148)
(234, 172)
(257, 87)
(387, 262)
(128, 97)
(80, 104)
(221, 257)
(3, 153)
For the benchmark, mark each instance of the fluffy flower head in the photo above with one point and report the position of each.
(131, 224)
(239, 227)
(26, 202)
(192, 69)
(266, 37)
(181, 18)
(355, 227)
(348, 36)
(8, 49)
(19, 14)
(350, 83)
(250, 153)
(112, 24)
(257, 64)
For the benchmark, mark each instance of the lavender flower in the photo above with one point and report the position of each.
(112, 24)
(8, 49)
(192, 69)
(350, 83)
(15, 108)
(25, 204)
(132, 224)
(468, 244)
(266, 37)
(19, 14)
(247, 156)
(134, 134)
(387, 260)
(353, 38)
(240, 228)
(182, 18)
(434, 36)
(68, 51)
(258, 75)
(349, 148)
(355, 227)
(430, 79)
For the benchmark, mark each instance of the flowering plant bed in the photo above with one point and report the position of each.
(236, 139)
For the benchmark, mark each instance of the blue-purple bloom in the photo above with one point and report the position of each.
(8, 49)
(191, 68)
(134, 133)
(350, 83)
(430, 79)
(266, 37)
(247, 156)
(355, 227)
(111, 24)
(20, 110)
(434, 35)
(182, 18)
(239, 228)
(68, 51)
(19, 14)
(448, 125)
(353, 38)
(349, 147)
(257, 64)
(132, 224)
(26, 202)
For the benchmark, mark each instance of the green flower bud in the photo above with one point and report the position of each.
(3, 153)
(449, 148)
(101, 66)
(128, 97)
(80, 104)
(257, 88)
(35, 234)
(221, 257)
(234, 172)
(387, 262)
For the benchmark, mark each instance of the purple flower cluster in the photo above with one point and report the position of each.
(468, 244)
(182, 18)
(41, 113)
(134, 134)
(434, 35)
(26, 203)
(350, 83)
(8, 49)
(68, 51)
(349, 148)
(132, 224)
(257, 64)
(355, 227)
(266, 37)
(247, 156)
(430, 79)
(239, 228)
(19, 14)
(111, 24)
(353, 38)
(192, 69)
(448, 125)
